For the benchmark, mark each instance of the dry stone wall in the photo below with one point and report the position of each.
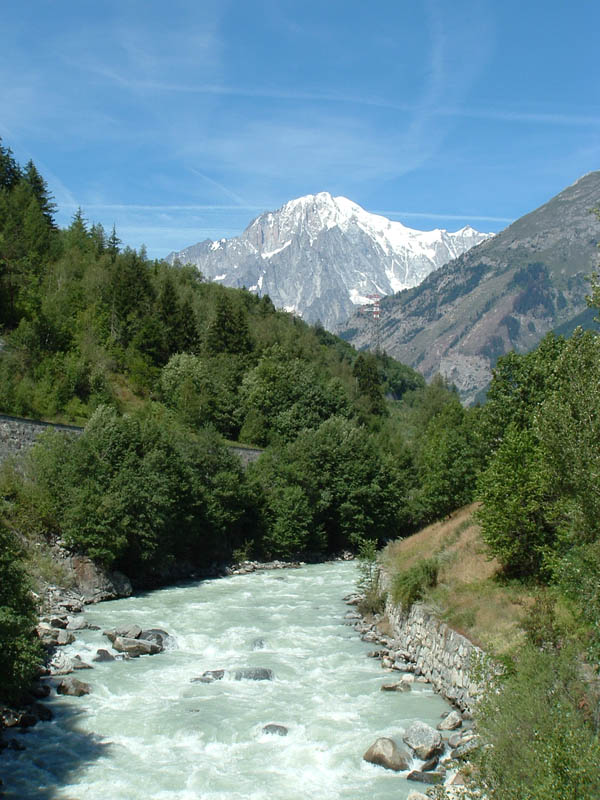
(17, 435)
(448, 660)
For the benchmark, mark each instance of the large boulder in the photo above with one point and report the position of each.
(423, 740)
(253, 674)
(73, 686)
(60, 664)
(161, 638)
(130, 631)
(96, 583)
(135, 647)
(385, 753)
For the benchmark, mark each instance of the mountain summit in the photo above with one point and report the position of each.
(321, 256)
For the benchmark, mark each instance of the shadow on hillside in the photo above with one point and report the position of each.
(54, 755)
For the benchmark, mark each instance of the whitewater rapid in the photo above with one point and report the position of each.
(147, 731)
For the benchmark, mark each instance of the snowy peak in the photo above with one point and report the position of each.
(320, 256)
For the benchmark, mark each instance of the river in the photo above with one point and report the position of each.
(146, 731)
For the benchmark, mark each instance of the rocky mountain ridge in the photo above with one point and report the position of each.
(321, 256)
(504, 294)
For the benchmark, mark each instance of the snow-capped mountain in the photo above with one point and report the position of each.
(321, 256)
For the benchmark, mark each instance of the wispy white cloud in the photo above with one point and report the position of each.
(437, 215)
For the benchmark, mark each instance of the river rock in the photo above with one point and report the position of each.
(450, 722)
(417, 796)
(463, 750)
(258, 644)
(431, 778)
(60, 664)
(73, 686)
(96, 583)
(59, 622)
(398, 686)
(131, 631)
(209, 676)
(54, 637)
(277, 730)
(135, 647)
(253, 674)
(103, 655)
(79, 663)
(385, 753)
(430, 764)
(161, 638)
(76, 624)
(424, 740)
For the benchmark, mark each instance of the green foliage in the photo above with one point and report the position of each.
(342, 489)
(136, 491)
(411, 584)
(538, 743)
(20, 654)
(515, 496)
(448, 464)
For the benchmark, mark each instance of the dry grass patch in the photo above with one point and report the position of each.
(470, 594)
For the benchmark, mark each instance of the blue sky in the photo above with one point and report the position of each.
(182, 121)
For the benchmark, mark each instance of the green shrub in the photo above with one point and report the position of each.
(410, 585)
(539, 742)
(20, 653)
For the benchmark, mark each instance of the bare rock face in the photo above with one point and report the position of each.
(321, 256)
(96, 583)
(385, 753)
(423, 740)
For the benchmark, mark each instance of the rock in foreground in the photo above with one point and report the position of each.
(385, 753)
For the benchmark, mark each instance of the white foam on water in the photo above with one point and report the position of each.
(148, 730)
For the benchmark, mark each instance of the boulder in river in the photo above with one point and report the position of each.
(209, 676)
(450, 722)
(253, 674)
(73, 686)
(131, 631)
(424, 740)
(103, 655)
(60, 664)
(135, 647)
(277, 730)
(431, 778)
(385, 753)
(163, 639)
(417, 796)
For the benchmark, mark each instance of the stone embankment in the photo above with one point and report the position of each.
(17, 435)
(427, 755)
(415, 641)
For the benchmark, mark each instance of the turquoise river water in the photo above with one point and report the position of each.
(146, 731)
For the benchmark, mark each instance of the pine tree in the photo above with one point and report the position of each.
(41, 193)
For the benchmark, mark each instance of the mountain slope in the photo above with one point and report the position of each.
(321, 256)
(504, 294)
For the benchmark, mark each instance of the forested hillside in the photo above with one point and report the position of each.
(163, 367)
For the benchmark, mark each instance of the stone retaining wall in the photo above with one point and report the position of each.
(446, 658)
(17, 435)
